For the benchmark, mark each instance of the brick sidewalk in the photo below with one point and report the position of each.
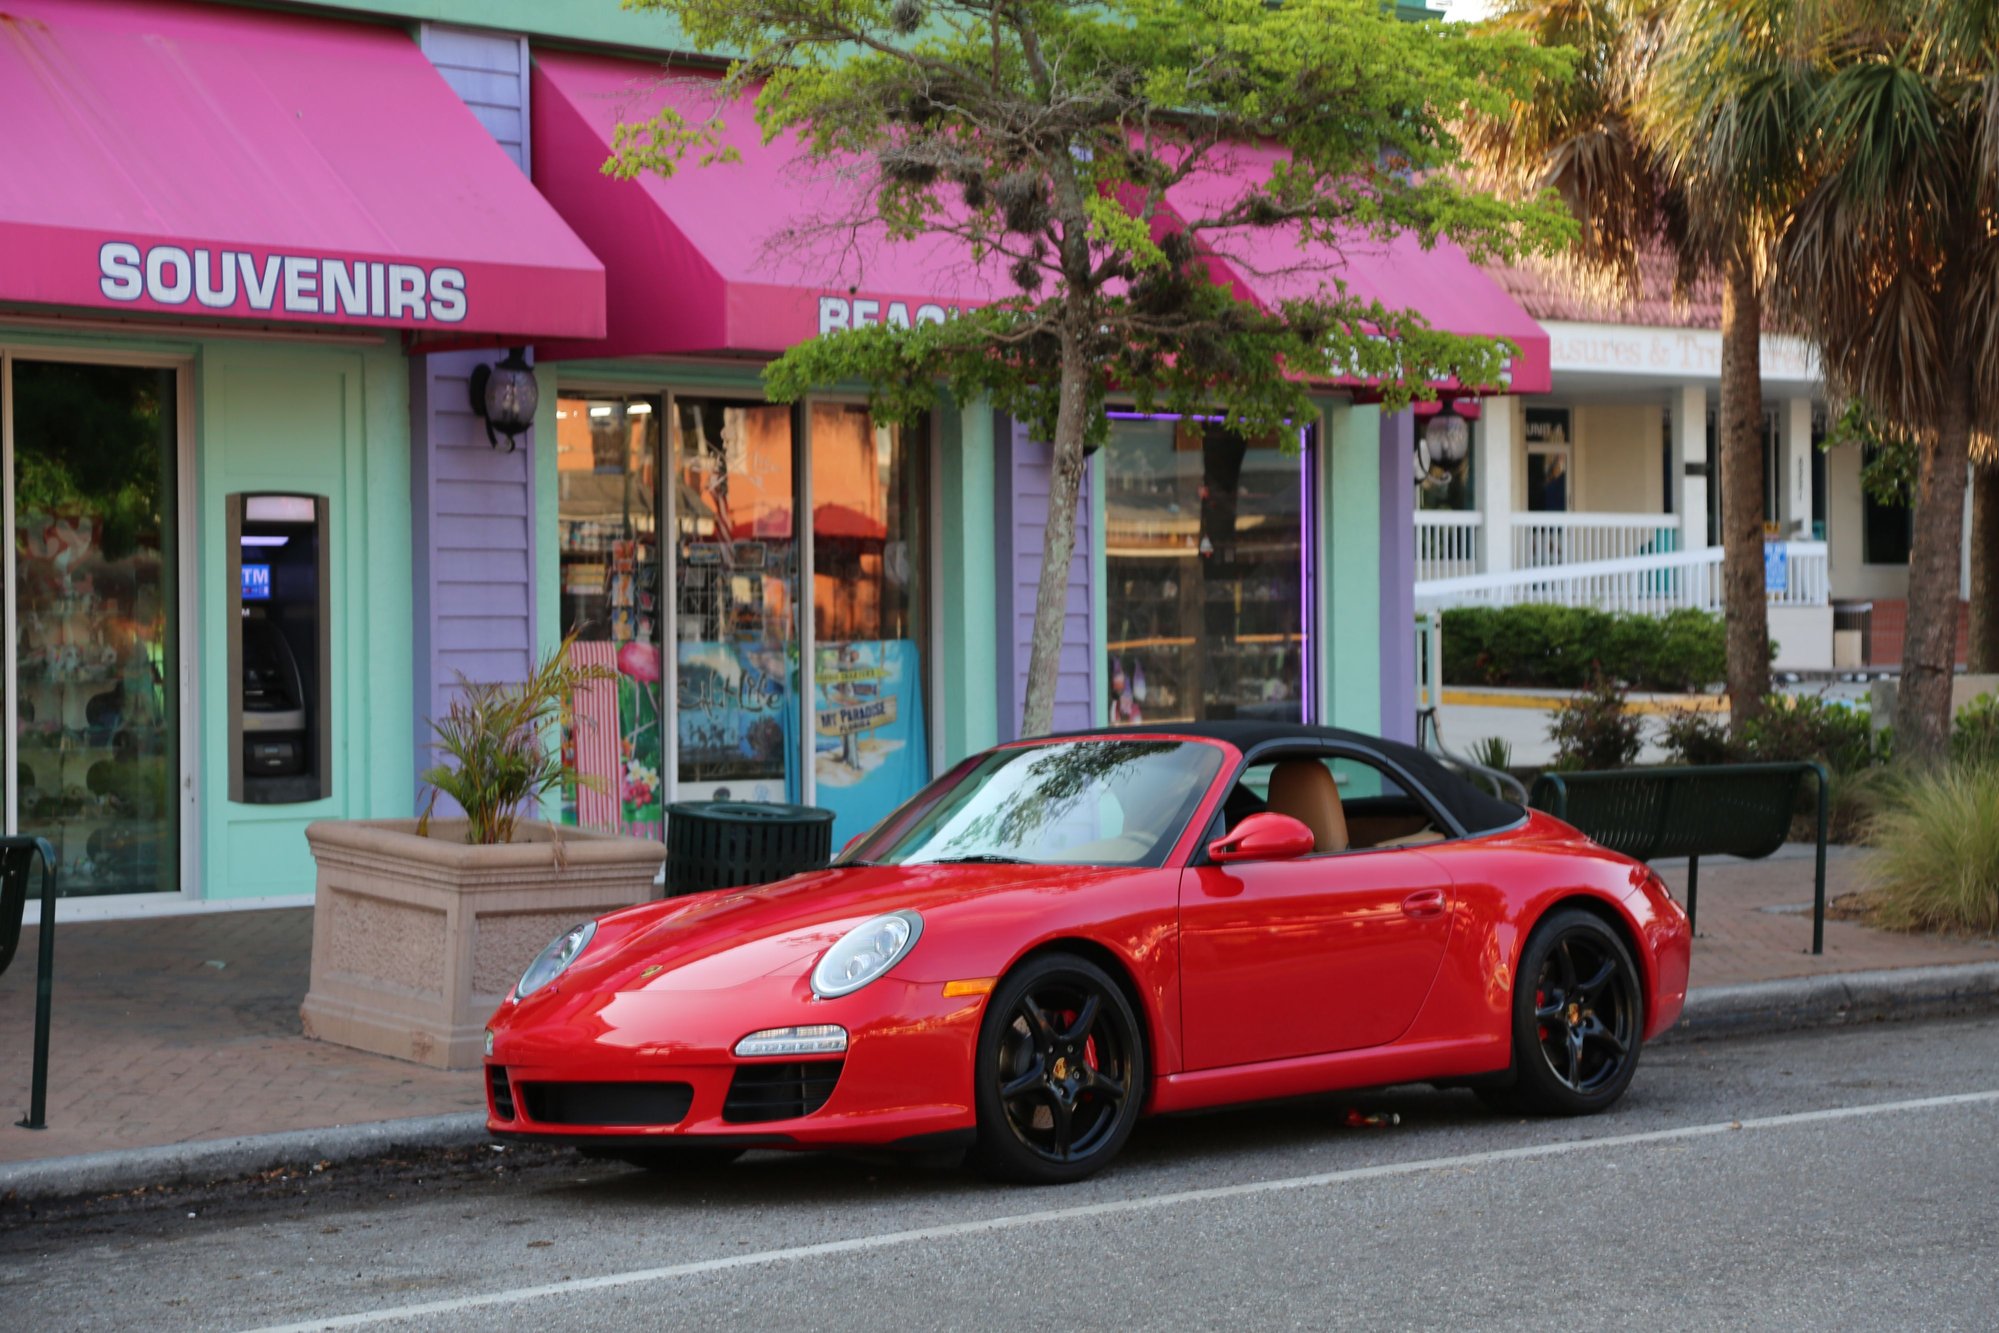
(155, 1043)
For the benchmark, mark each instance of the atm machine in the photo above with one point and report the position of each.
(280, 716)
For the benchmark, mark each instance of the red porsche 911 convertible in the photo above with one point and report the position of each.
(1062, 935)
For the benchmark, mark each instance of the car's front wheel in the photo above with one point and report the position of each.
(1061, 1072)
(1578, 1019)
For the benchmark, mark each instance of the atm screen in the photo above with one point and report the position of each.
(256, 583)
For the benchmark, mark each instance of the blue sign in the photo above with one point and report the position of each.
(256, 583)
(1776, 567)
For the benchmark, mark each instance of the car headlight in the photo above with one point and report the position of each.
(864, 953)
(551, 962)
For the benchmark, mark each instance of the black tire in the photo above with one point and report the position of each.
(1060, 1077)
(1578, 1020)
(693, 1160)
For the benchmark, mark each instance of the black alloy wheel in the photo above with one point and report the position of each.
(1578, 1019)
(1061, 1072)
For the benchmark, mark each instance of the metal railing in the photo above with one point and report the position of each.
(17, 858)
(1447, 543)
(1544, 539)
(1644, 585)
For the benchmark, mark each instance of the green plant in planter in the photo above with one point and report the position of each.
(497, 747)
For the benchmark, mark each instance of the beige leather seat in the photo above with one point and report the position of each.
(1304, 789)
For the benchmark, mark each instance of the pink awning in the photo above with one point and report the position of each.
(696, 260)
(214, 162)
(1268, 265)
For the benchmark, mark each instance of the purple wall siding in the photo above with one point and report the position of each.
(474, 534)
(1398, 578)
(473, 505)
(1024, 470)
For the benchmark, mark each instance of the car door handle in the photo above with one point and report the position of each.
(1424, 902)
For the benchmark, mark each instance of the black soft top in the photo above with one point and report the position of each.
(1475, 810)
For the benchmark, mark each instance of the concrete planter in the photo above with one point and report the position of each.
(415, 941)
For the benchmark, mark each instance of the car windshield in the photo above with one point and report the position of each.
(1101, 803)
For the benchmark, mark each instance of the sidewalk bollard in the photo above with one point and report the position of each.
(14, 862)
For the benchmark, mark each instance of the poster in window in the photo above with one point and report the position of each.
(868, 733)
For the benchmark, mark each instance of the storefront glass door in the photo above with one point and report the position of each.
(93, 622)
(736, 564)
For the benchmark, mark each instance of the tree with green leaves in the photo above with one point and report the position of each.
(1891, 265)
(1677, 136)
(1100, 158)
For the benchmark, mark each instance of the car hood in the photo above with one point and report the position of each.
(710, 941)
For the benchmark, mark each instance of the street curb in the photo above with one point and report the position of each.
(1835, 1000)
(1712, 1012)
(232, 1159)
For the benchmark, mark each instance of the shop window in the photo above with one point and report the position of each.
(870, 745)
(1205, 567)
(95, 625)
(608, 499)
(749, 721)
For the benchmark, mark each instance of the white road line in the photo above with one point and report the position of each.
(888, 1239)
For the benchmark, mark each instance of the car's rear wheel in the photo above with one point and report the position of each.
(692, 1160)
(1578, 1019)
(1061, 1072)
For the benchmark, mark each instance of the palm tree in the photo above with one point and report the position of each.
(1891, 265)
(1675, 135)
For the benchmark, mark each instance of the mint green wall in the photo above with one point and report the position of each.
(587, 22)
(1350, 567)
(330, 421)
(969, 628)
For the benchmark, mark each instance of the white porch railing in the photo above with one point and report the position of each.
(1642, 584)
(1447, 543)
(1544, 539)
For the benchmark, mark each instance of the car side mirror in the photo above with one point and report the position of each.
(1264, 837)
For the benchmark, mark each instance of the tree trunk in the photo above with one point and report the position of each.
(1744, 601)
(1929, 651)
(1982, 652)
(1058, 544)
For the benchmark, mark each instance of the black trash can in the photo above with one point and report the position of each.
(726, 844)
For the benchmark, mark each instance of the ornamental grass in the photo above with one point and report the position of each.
(1935, 864)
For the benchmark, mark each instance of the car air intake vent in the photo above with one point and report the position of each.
(780, 1091)
(503, 1093)
(607, 1103)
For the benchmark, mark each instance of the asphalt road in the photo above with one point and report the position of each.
(1847, 1179)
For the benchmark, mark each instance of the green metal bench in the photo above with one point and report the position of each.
(1740, 810)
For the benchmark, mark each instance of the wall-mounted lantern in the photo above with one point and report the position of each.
(505, 397)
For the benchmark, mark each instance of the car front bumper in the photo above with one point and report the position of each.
(905, 1078)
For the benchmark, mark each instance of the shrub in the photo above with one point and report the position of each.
(1493, 752)
(1697, 736)
(1803, 727)
(1594, 730)
(1974, 737)
(1936, 864)
(1567, 647)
